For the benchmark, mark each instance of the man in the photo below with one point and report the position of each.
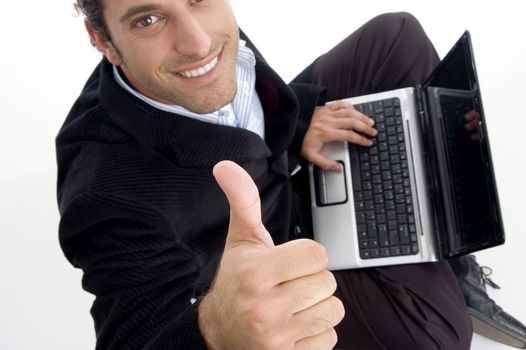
(143, 216)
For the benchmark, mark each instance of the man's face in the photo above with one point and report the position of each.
(180, 52)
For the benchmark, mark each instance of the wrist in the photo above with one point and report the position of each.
(208, 321)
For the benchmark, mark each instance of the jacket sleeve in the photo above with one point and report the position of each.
(309, 96)
(142, 278)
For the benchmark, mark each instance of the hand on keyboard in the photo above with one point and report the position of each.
(338, 121)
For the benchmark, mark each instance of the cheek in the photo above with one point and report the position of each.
(147, 60)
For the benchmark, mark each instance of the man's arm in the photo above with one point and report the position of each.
(321, 123)
(143, 279)
(266, 296)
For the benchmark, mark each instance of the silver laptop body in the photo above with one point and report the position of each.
(436, 228)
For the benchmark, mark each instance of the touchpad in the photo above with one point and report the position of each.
(331, 187)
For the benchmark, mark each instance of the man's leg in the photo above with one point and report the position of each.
(417, 306)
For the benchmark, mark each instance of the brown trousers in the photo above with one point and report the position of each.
(418, 306)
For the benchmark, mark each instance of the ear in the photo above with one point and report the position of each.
(103, 44)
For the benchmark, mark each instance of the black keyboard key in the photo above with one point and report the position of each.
(364, 254)
(395, 251)
(362, 230)
(378, 107)
(402, 219)
(394, 240)
(371, 229)
(404, 235)
(360, 217)
(405, 250)
(359, 205)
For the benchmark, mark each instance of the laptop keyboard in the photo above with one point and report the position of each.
(382, 190)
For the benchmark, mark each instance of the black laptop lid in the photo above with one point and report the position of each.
(464, 191)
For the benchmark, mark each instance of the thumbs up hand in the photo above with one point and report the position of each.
(266, 296)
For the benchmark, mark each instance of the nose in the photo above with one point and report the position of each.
(191, 38)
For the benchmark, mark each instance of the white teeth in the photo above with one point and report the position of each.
(199, 71)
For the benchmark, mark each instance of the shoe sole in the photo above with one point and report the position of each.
(490, 329)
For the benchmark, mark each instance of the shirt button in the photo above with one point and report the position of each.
(223, 113)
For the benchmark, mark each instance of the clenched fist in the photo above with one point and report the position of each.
(266, 296)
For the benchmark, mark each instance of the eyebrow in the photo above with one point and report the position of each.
(137, 10)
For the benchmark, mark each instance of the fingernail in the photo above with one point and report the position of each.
(371, 121)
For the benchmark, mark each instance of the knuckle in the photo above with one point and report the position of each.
(271, 338)
(354, 137)
(319, 254)
(257, 315)
(318, 325)
(250, 277)
(358, 138)
(362, 138)
(299, 298)
(321, 285)
(335, 105)
(288, 262)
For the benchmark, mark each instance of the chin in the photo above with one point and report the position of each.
(211, 105)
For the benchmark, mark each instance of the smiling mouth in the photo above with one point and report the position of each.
(194, 73)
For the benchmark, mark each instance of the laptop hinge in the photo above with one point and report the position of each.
(431, 171)
(420, 98)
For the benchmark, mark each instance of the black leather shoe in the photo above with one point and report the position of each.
(489, 320)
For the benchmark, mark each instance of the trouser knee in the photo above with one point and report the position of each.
(393, 22)
(390, 51)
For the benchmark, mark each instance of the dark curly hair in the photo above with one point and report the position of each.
(92, 9)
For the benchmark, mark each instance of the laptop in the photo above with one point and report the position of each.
(425, 190)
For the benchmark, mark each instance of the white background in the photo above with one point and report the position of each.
(45, 59)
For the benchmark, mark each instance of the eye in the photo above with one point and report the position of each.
(146, 21)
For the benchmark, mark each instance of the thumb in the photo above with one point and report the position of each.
(323, 162)
(245, 206)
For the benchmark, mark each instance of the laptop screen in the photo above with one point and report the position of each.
(470, 214)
